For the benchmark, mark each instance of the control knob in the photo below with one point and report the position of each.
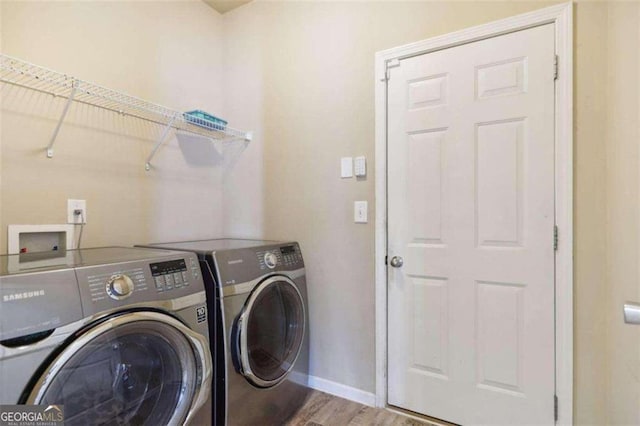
(119, 287)
(271, 260)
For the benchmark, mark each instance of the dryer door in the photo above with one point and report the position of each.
(143, 368)
(271, 330)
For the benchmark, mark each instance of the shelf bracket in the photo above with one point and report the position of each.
(159, 142)
(72, 94)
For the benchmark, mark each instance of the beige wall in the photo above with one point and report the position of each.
(315, 63)
(301, 75)
(166, 52)
(312, 66)
(623, 210)
(590, 43)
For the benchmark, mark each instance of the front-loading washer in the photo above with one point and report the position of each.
(259, 293)
(107, 335)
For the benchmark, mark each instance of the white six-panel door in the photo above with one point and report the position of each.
(471, 212)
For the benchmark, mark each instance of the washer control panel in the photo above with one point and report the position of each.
(167, 275)
(119, 286)
(114, 284)
(173, 274)
(103, 287)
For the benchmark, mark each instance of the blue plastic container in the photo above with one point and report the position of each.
(204, 119)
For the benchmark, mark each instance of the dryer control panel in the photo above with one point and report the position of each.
(287, 255)
(246, 264)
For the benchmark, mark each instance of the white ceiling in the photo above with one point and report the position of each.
(224, 6)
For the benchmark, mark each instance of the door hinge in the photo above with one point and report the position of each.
(555, 237)
(555, 407)
(555, 67)
(391, 64)
(386, 260)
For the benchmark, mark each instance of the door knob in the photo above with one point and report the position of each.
(396, 261)
(632, 313)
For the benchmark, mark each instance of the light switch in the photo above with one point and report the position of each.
(360, 166)
(346, 167)
(360, 212)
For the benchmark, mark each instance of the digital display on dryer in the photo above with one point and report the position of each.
(169, 267)
(288, 249)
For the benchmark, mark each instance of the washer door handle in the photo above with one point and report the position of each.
(201, 346)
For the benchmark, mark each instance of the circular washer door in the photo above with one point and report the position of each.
(271, 329)
(143, 368)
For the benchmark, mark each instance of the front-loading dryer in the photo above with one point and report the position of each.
(109, 335)
(259, 291)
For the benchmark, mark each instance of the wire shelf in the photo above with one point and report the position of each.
(24, 74)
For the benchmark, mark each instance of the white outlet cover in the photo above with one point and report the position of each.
(360, 211)
(73, 205)
(346, 167)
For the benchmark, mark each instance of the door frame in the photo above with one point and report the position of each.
(562, 17)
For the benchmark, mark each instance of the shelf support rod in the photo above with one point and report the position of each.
(159, 142)
(74, 89)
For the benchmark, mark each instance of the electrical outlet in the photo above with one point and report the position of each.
(72, 206)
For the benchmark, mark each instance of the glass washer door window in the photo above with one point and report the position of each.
(138, 368)
(271, 330)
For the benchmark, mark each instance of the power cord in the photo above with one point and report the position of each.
(78, 212)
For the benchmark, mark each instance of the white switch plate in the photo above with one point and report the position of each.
(346, 167)
(360, 212)
(360, 166)
(73, 205)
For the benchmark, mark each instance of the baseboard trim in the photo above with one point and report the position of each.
(343, 391)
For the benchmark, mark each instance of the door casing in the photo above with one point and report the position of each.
(562, 17)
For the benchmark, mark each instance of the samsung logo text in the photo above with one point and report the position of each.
(22, 296)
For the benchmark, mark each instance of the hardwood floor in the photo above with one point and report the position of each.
(322, 409)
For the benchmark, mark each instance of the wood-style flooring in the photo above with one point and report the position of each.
(322, 409)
